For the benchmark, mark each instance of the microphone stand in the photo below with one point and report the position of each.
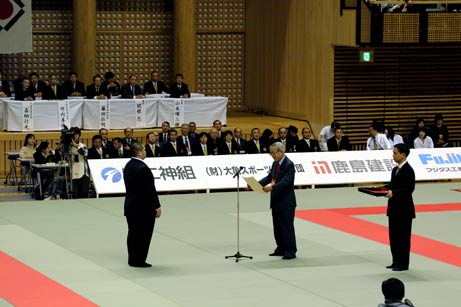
(238, 255)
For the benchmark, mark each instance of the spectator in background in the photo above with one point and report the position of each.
(106, 144)
(256, 145)
(27, 152)
(227, 147)
(25, 92)
(54, 91)
(239, 142)
(218, 125)
(192, 134)
(155, 85)
(117, 150)
(423, 140)
(97, 151)
(179, 89)
(267, 137)
(111, 86)
(283, 138)
(292, 136)
(4, 87)
(96, 90)
(172, 148)
(414, 133)
(377, 141)
(327, 133)
(201, 148)
(307, 144)
(17, 84)
(163, 136)
(184, 140)
(439, 132)
(38, 86)
(394, 291)
(213, 141)
(128, 139)
(152, 148)
(132, 89)
(73, 86)
(339, 142)
(392, 137)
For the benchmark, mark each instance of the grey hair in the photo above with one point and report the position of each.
(136, 147)
(279, 146)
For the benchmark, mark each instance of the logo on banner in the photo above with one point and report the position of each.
(10, 13)
(321, 167)
(450, 158)
(112, 174)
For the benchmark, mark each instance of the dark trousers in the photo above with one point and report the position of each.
(400, 240)
(82, 186)
(140, 230)
(284, 231)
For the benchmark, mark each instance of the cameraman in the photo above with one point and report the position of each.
(80, 171)
(394, 290)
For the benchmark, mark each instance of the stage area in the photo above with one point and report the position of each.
(79, 245)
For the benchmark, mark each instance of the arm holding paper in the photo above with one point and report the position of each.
(254, 184)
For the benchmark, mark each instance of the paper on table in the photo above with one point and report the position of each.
(254, 184)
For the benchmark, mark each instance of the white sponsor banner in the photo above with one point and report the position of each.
(27, 116)
(104, 113)
(63, 113)
(16, 26)
(178, 113)
(140, 109)
(217, 172)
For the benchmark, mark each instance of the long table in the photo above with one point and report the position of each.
(45, 115)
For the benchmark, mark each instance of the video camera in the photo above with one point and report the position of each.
(66, 137)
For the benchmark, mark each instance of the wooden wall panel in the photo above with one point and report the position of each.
(290, 56)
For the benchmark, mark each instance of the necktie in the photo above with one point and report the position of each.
(155, 87)
(120, 153)
(73, 86)
(165, 137)
(257, 146)
(186, 142)
(174, 146)
(230, 147)
(152, 146)
(397, 170)
(375, 144)
(99, 152)
(97, 91)
(338, 142)
(284, 144)
(55, 91)
(238, 141)
(205, 151)
(277, 172)
(308, 142)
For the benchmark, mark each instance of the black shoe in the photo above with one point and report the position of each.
(390, 266)
(140, 265)
(399, 269)
(288, 257)
(276, 254)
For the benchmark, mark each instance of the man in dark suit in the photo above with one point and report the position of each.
(238, 141)
(280, 182)
(163, 135)
(155, 85)
(128, 140)
(97, 151)
(73, 86)
(306, 144)
(172, 148)
(132, 89)
(283, 138)
(24, 92)
(339, 142)
(255, 145)
(179, 89)
(97, 90)
(54, 90)
(112, 87)
(117, 151)
(105, 144)
(141, 207)
(201, 147)
(192, 134)
(17, 83)
(152, 148)
(400, 208)
(227, 147)
(213, 141)
(38, 86)
(4, 87)
(185, 140)
(439, 132)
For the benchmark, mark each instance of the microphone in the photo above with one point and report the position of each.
(238, 172)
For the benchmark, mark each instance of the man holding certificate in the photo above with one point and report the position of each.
(280, 182)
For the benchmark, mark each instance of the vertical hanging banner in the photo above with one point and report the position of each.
(140, 109)
(178, 112)
(64, 113)
(15, 26)
(27, 116)
(104, 114)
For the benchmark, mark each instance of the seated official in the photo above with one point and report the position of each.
(288, 143)
(307, 144)
(255, 145)
(185, 140)
(54, 91)
(172, 148)
(213, 141)
(179, 89)
(339, 142)
(97, 151)
(155, 85)
(377, 140)
(73, 86)
(163, 135)
(4, 87)
(239, 142)
(24, 93)
(97, 90)
(110, 85)
(227, 147)
(117, 151)
(106, 144)
(152, 148)
(201, 148)
(44, 155)
(132, 89)
(38, 86)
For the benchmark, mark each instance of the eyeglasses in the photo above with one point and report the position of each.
(273, 153)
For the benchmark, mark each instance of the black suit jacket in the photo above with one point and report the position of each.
(113, 90)
(283, 193)
(21, 94)
(162, 140)
(149, 88)
(197, 150)
(239, 147)
(344, 144)
(213, 145)
(289, 144)
(49, 93)
(303, 147)
(149, 152)
(402, 186)
(5, 88)
(91, 91)
(175, 92)
(141, 196)
(250, 147)
(223, 149)
(93, 153)
(114, 154)
(168, 150)
(435, 132)
(79, 87)
(180, 141)
(40, 88)
(128, 93)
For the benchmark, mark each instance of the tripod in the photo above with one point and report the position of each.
(237, 255)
